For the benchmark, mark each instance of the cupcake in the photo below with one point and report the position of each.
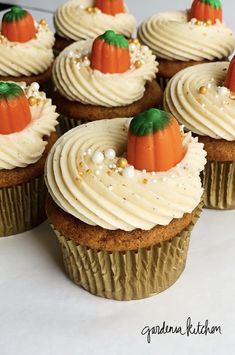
(123, 201)
(184, 38)
(104, 78)
(27, 123)
(26, 48)
(86, 19)
(202, 99)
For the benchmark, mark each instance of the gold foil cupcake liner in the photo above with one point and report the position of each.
(129, 275)
(162, 81)
(66, 123)
(219, 185)
(22, 206)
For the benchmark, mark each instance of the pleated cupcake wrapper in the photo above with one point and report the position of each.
(162, 81)
(127, 275)
(219, 185)
(22, 206)
(66, 123)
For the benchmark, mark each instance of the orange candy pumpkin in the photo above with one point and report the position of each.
(110, 53)
(230, 78)
(206, 10)
(15, 113)
(18, 25)
(154, 141)
(110, 7)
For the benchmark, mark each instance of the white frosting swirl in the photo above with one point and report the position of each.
(99, 195)
(72, 21)
(27, 146)
(30, 58)
(78, 82)
(211, 114)
(172, 37)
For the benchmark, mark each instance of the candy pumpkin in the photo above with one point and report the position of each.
(230, 77)
(110, 53)
(18, 25)
(110, 7)
(154, 141)
(206, 10)
(14, 108)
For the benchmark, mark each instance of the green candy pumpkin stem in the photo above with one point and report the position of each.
(149, 122)
(16, 13)
(115, 39)
(10, 90)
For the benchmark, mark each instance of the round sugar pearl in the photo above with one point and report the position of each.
(128, 172)
(110, 154)
(98, 157)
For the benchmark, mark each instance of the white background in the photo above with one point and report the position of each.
(44, 313)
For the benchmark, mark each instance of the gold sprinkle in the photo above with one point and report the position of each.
(120, 173)
(208, 22)
(1, 38)
(122, 163)
(43, 22)
(39, 101)
(81, 164)
(88, 171)
(199, 23)
(145, 181)
(32, 101)
(81, 173)
(203, 90)
(138, 64)
(109, 172)
(90, 10)
(135, 41)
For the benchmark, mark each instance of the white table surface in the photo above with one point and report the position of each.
(43, 313)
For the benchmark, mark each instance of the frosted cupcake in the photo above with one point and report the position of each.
(104, 78)
(84, 19)
(181, 39)
(27, 123)
(26, 48)
(201, 98)
(123, 201)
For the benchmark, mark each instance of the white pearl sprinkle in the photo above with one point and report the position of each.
(70, 54)
(153, 173)
(209, 85)
(97, 172)
(178, 165)
(223, 91)
(132, 46)
(144, 171)
(110, 154)
(173, 176)
(110, 187)
(154, 181)
(89, 151)
(35, 86)
(128, 172)
(164, 179)
(98, 157)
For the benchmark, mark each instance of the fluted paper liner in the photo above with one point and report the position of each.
(219, 185)
(66, 123)
(22, 206)
(162, 81)
(127, 275)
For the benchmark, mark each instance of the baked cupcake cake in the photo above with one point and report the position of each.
(202, 99)
(27, 123)
(26, 48)
(104, 78)
(181, 39)
(123, 201)
(78, 20)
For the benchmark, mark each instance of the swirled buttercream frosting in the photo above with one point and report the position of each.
(197, 98)
(171, 36)
(30, 58)
(27, 146)
(72, 21)
(84, 179)
(76, 81)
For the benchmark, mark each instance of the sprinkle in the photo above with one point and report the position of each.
(144, 171)
(164, 179)
(97, 157)
(89, 152)
(203, 90)
(129, 172)
(81, 164)
(110, 154)
(145, 181)
(109, 172)
(97, 172)
(81, 173)
(88, 171)
(110, 187)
